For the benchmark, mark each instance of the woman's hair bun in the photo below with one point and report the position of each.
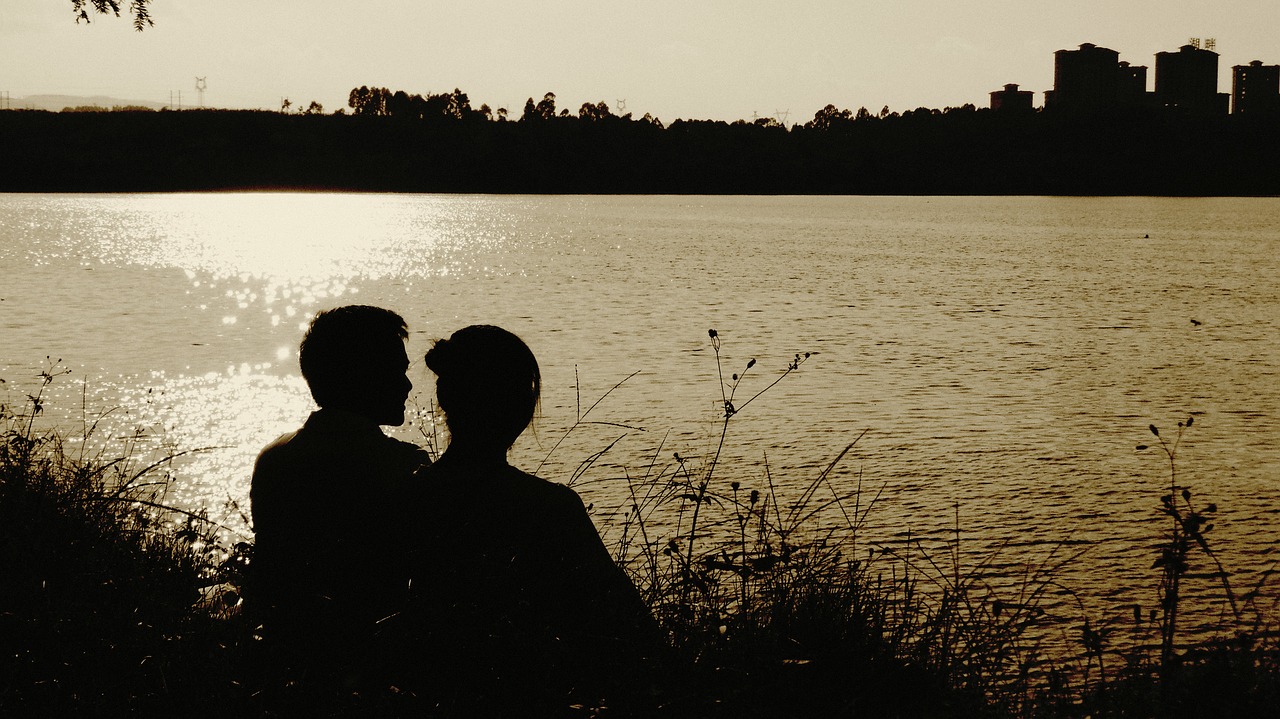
(486, 360)
(440, 358)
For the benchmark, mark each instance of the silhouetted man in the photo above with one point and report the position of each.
(324, 569)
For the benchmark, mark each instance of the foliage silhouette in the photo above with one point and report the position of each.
(397, 141)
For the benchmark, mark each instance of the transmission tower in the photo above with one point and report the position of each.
(200, 87)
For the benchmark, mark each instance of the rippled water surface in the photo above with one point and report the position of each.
(1006, 354)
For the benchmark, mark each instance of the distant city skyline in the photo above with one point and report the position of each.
(716, 60)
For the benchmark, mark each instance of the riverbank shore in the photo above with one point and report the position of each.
(116, 603)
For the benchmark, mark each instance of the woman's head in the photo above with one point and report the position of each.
(487, 383)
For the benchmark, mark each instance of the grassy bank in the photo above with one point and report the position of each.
(114, 603)
(102, 605)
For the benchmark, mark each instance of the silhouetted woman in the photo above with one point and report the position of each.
(516, 601)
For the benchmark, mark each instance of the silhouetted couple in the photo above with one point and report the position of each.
(467, 583)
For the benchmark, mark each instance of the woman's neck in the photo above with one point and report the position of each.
(475, 452)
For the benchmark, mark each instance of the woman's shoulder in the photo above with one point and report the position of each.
(539, 489)
(504, 479)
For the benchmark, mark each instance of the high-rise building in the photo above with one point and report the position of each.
(1255, 89)
(1131, 84)
(1011, 99)
(1188, 80)
(1083, 79)
(1092, 79)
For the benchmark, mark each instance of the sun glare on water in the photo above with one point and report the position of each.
(214, 366)
(298, 242)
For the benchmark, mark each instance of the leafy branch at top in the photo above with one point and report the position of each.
(138, 9)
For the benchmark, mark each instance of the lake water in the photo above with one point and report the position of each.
(1005, 354)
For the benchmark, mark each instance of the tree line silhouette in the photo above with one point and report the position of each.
(396, 141)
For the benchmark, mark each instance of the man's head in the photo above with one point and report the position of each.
(353, 359)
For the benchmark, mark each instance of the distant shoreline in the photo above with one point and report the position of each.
(960, 151)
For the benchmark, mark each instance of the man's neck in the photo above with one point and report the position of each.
(347, 416)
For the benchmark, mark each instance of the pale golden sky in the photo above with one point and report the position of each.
(716, 59)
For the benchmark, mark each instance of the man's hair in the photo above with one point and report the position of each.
(338, 342)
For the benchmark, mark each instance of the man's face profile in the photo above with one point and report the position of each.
(354, 360)
(386, 383)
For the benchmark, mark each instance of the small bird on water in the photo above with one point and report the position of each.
(1195, 322)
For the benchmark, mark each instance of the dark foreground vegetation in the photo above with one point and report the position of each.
(112, 604)
(439, 143)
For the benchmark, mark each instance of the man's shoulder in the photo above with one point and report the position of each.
(408, 453)
(275, 453)
(274, 477)
(318, 450)
(278, 445)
